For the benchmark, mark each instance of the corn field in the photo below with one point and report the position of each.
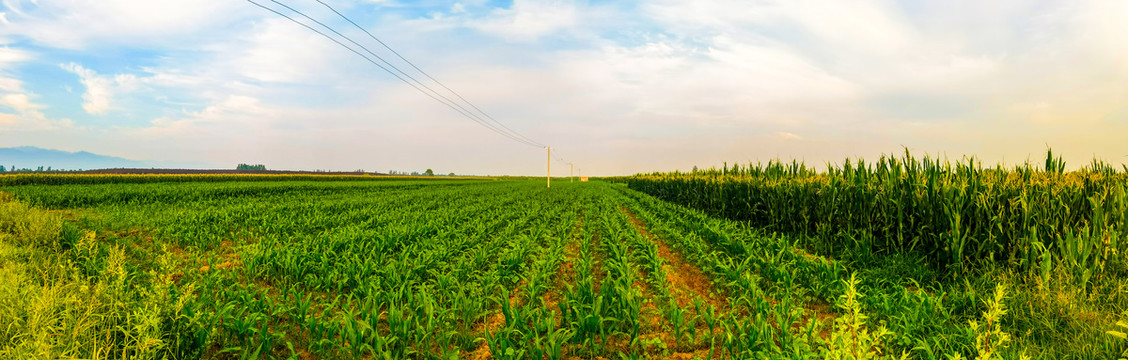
(293, 267)
(956, 214)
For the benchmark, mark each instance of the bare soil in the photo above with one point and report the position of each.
(684, 278)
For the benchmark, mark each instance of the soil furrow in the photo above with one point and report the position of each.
(685, 279)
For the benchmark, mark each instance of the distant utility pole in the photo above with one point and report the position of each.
(571, 172)
(548, 176)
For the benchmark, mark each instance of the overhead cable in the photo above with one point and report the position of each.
(428, 75)
(432, 94)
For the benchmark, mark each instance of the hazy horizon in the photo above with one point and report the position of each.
(617, 87)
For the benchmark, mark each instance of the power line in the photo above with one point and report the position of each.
(434, 95)
(448, 102)
(426, 74)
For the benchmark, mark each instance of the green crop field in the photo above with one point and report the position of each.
(902, 258)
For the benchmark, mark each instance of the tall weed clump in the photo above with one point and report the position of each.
(990, 338)
(852, 339)
(52, 307)
(21, 225)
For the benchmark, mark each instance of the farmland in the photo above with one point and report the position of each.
(760, 262)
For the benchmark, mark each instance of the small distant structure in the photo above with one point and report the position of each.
(583, 179)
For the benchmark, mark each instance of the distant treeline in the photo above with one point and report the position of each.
(13, 168)
(66, 179)
(242, 168)
(250, 167)
(428, 172)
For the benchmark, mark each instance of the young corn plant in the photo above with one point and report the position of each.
(502, 346)
(707, 314)
(679, 322)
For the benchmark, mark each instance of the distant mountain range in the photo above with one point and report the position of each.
(31, 157)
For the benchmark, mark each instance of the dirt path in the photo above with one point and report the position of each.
(686, 280)
(683, 275)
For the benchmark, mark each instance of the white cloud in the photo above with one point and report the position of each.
(230, 116)
(101, 90)
(528, 20)
(277, 50)
(98, 88)
(9, 55)
(10, 85)
(457, 8)
(27, 115)
(19, 102)
(9, 58)
(788, 136)
(77, 24)
(270, 53)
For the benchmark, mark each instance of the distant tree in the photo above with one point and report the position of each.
(40, 169)
(2, 168)
(250, 167)
(451, 174)
(414, 173)
(429, 172)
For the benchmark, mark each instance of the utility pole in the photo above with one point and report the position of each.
(548, 176)
(571, 172)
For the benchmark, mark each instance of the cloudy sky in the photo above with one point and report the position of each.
(617, 86)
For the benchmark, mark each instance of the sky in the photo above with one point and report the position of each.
(617, 87)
